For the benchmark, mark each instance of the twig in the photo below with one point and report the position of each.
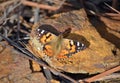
(48, 74)
(18, 24)
(36, 15)
(112, 76)
(112, 8)
(111, 14)
(4, 4)
(29, 3)
(24, 22)
(94, 78)
(6, 13)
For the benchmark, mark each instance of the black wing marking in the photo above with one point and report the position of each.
(75, 46)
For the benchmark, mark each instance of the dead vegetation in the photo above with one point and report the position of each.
(96, 23)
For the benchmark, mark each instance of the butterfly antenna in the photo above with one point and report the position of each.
(66, 32)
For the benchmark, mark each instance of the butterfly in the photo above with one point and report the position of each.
(58, 45)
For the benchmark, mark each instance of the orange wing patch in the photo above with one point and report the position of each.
(48, 50)
(46, 38)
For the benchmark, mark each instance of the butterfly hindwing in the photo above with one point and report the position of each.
(73, 47)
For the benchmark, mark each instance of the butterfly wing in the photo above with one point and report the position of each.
(69, 46)
(73, 47)
(47, 39)
(45, 36)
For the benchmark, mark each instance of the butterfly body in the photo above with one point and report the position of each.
(58, 46)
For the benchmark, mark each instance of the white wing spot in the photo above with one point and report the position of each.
(82, 44)
(78, 47)
(78, 43)
(38, 29)
(42, 31)
(39, 34)
(71, 42)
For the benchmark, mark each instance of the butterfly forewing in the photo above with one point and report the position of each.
(45, 36)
